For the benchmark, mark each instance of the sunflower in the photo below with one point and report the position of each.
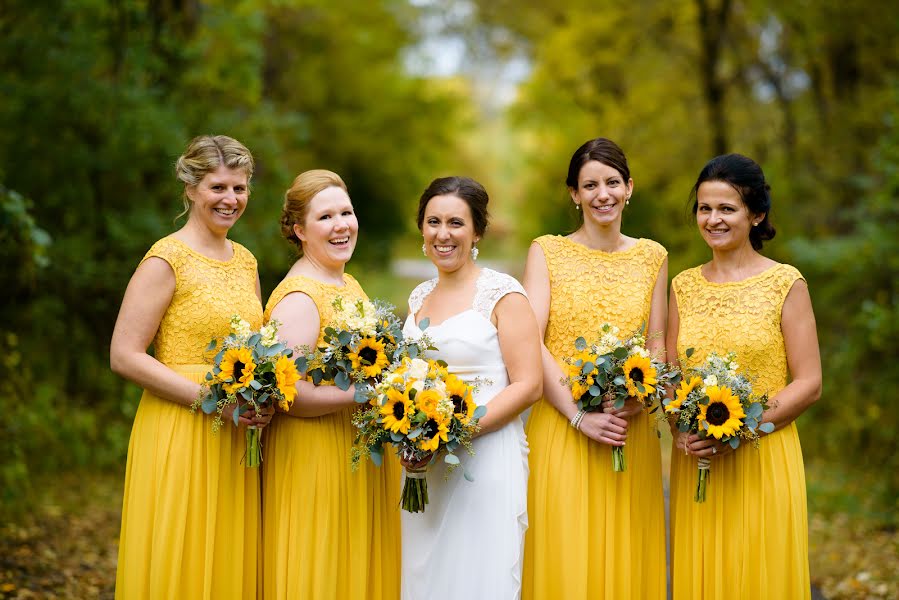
(434, 431)
(397, 411)
(638, 369)
(238, 366)
(286, 376)
(723, 413)
(460, 394)
(682, 392)
(579, 389)
(369, 357)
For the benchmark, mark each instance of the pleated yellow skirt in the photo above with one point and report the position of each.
(593, 533)
(749, 539)
(191, 510)
(328, 533)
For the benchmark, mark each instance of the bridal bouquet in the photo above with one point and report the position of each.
(424, 412)
(360, 344)
(253, 371)
(612, 368)
(715, 400)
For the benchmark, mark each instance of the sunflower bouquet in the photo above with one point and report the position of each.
(363, 340)
(424, 412)
(615, 368)
(715, 399)
(253, 371)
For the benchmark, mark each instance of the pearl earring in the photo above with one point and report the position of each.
(423, 249)
(577, 206)
(474, 252)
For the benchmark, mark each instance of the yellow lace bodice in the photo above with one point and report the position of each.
(322, 294)
(739, 316)
(592, 287)
(207, 293)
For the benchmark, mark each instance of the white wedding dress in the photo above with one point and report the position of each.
(468, 543)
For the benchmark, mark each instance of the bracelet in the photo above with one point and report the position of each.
(576, 419)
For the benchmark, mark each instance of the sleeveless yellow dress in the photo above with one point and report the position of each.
(594, 533)
(749, 539)
(191, 511)
(328, 533)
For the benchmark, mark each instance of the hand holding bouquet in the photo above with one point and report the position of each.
(362, 341)
(424, 412)
(715, 400)
(252, 371)
(614, 369)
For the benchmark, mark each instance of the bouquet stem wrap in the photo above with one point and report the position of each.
(415, 490)
(618, 463)
(702, 478)
(253, 457)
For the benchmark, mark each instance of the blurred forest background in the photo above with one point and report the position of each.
(99, 97)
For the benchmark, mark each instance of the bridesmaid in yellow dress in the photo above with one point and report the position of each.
(749, 539)
(191, 511)
(594, 533)
(329, 533)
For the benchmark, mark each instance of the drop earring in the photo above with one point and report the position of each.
(577, 206)
(423, 249)
(627, 201)
(474, 252)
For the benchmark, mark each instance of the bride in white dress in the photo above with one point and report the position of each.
(468, 541)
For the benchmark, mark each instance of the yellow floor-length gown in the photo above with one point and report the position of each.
(749, 539)
(594, 533)
(191, 511)
(329, 533)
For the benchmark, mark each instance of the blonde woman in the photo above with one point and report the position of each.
(329, 532)
(190, 515)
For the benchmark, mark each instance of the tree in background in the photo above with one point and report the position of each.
(99, 99)
(807, 89)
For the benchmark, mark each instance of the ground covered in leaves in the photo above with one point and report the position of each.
(65, 547)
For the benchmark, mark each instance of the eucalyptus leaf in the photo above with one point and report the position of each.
(423, 324)
(468, 476)
(376, 457)
(580, 344)
(344, 338)
(734, 442)
(362, 394)
(211, 346)
(255, 384)
(235, 416)
(767, 427)
(254, 339)
(619, 380)
(689, 352)
(587, 368)
(414, 433)
(342, 380)
(451, 459)
(209, 405)
(594, 390)
(480, 411)
(396, 437)
(317, 376)
(413, 351)
(301, 363)
(620, 352)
